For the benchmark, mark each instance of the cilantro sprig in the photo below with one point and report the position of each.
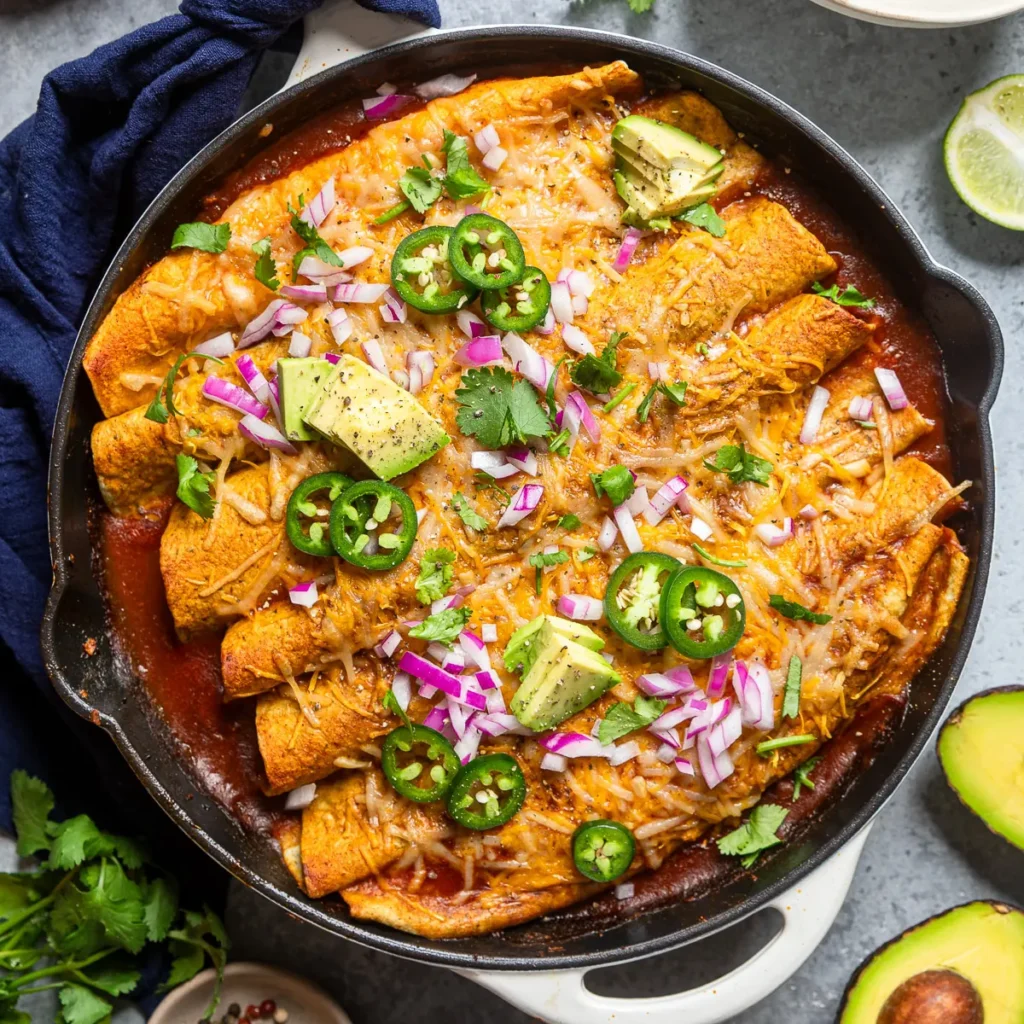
(469, 515)
(623, 719)
(497, 409)
(757, 833)
(265, 270)
(543, 560)
(198, 235)
(315, 245)
(436, 574)
(598, 374)
(78, 923)
(616, 482)
(796, 611)
(676, 393)
(194, 486)
(740, 465)
(705, 217)
(442, 627)
(157, 410)
(802, 775)
(848, 296)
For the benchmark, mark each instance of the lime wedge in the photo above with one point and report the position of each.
(984, 152)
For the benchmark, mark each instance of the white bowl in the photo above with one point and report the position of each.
(246, 983)
(924, 13)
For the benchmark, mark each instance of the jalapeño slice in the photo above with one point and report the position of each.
(306, 519)
(486, 252)
(520, 306)
(487, 792)
(373, 525)
(419, 763)
(702, 612)
(632, 601)
(602, 850)
(422, 274)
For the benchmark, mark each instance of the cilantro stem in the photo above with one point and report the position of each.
(23, 915)
(392, 212)
(63, 967)
(620, 396)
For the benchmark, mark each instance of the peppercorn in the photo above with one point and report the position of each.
(252, 1011)
(234, 1010)
(267, 1008)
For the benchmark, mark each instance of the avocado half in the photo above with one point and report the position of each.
(965, 966)
(981, 749)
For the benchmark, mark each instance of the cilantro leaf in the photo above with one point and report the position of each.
(640, 6)
(159, 908)
(849, 296)
(185, 966)
(705, 217)
(802, 775)
(757, 833)
(390, 702)
(794, 678)
(674, 392)
(194, 487)
(16, 893)
(156, 411)
(436, 574)
(80, 1005)
(467, 513)
(643, 410)
(543, 560)
(796, 611)
(443, 627)
(622, 719)
(598, 374)
(112, 979)
(420, 187)
(76, 840)
(740, 465)
(32, 803)
(197, 235)
(460, 180)
(315, 245)
(202, 936)
(497, 409)
(265, 270)
(114, 901)
(570, 522)
(616, 482)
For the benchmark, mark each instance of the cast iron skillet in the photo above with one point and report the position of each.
(971, 346)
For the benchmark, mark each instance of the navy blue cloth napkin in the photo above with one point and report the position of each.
(110, 130)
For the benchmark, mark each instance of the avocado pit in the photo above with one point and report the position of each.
(934, 997)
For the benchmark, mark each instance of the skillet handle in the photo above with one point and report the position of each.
(340, 30)
(808, 910)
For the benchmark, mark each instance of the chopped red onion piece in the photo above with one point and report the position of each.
(772, 536)
(445, 85)
(264, 434)
(525, 502)
(437, 717)
(547, 325)
(580, 607)
(303, 594)
(317, 209)
(476, 653)
(359, 292)
(572, 744)
(580, 305)
(624, 752)
(682, 676)
(470, 324)
(389, 644)
(341, 328)
(305, 292)
(456, 689)
(386, 89)
(665, 497)
(259, 327)
(482, 351)
(467, 747)
(494, 158)
(630, 535)
(378, 107)
(625, 890)
(561, 302)
(454, 662)
(638, 503)
(576, 340)
(442, 604)
(629, 243)
(700, 529)
(586, 416)
(891, 388)
(657, 371)
(401, 687)
(487, 138)
(658, 684)
(665, 753)
(580, 283)
(223, 392)
(393, 310)
(300, 345)
(255, 380)
(493, 464)
(554, 762)
(487, 679)
(609, 531)
(322, 272)
(374, 355)
(715, 769)
(812, 418)
(719, 674)
(523, 459)
(489, 633)
(685, 766)
(287, 315)
(300, 797)
(354, 255)
(758, 698)
(421, 370)
(219, 347)
(860, 408)
(527, 361)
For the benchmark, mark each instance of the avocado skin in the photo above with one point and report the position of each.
(973, 776)
(991, 931)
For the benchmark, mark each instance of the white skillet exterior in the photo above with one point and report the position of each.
(339, 31)
(924, 13)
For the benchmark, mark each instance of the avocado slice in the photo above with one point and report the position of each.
(943, 969)
(521, 650)
(660, 169)
(379, 422)
(298, 381)
(564, 678)
(981, 749)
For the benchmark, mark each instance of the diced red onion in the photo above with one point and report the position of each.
(523, 459)
(322, 272)
(809, 512)
(700, 529)
(300, 797)
(401, 687)
(457, 689)
(467, 747)
(638, 503)
(561, 302)
(812, 418)
(259, 327)
(437, 716)
(630, 535)
(554, 762)
(341, 328)
(445, 85)
(359, 292)
(547, 325)
(727, 732)
(493, 464)
(274, 398)
(719, 674)
(377, 107)
(305, 292)
(421, 369)
(482, 351)
(303, 594)
(860, 408)
(393, 310)
(489, 633)
(572, 744)
(389, 644)
(684, 766)
(670, 493)
(758, 697)
(219, 347)
(509, 723)
(665, 753)
(255, 380)
(317, 209)
(494, 158)
(476, 653)
(576, 340)
(682, 676)
(579, 283)
(266, 435)
(487, 679)
(454, 662)
(772, 536)
(625, 890)
(223, 392)
(624, 752)
(487, 138)
(525, 502)
(657, 371)
(586, 416)
(354, 255)
(386, 89)
(442, 604)
(580, 607)
(286, 317)
(374, 355)
(609, 531)
(470, 324)
(654, 684)
(715, 769)
(459, 716)
(891, 388)
(629, 243)
(300, 345)
(580, 304)
(528, 361)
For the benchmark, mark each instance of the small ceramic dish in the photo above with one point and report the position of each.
(924, 13)
(246, 984)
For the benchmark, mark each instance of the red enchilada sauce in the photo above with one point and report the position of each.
(218, 741)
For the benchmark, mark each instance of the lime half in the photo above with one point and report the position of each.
(984, 151)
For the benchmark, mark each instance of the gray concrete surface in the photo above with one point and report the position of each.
(887, 96)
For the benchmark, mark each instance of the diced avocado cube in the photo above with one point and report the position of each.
(379, 422)
(298, 382)
(642, 140)
(525, 644)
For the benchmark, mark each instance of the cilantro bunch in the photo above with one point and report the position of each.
(78, 922)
